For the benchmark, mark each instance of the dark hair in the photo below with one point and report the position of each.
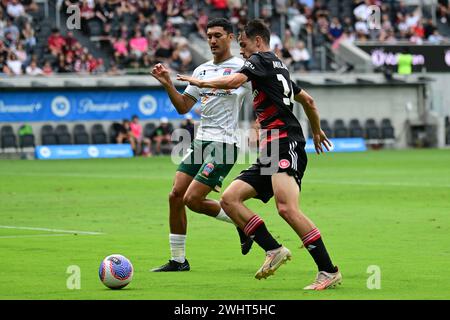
(220, 22)
(257, 27)
(134, 117)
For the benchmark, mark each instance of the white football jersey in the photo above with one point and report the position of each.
(219, 108)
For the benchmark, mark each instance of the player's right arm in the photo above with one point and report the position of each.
(183, 103)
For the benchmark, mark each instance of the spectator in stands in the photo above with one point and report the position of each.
(11, 31)
(138, 44)
(30, 5)
(71, 41)
(179, 39)
(154, 28)
(436, 37)
(4, 69)
(164, 50)
(162, 134)
(275, 41)
(142, 142)
(56, 42)
(21, 53)
(201, 23)
(300, 57)
(14, 64)
(87, 14)
(336, 28)
(102, 11)
(28, 35)
(174, 12)
(2, 23)
(120, 50)
(124, 134)
(218, 8)
(182, 58)
(443, 12)
(47, 69)
(33, 69)
(114, 70)
(15, 9)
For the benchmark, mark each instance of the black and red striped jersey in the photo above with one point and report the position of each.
(273, 96)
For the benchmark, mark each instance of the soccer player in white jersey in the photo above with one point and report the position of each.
(214, 149)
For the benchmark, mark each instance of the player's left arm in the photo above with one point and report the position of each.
(232, 81)
(309, 105)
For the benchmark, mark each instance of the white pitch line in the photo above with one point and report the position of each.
(51, 230)
(35, 235)
(373, 183)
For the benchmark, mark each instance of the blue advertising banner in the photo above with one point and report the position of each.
(32, 106)
(341, 145)
(84, 151)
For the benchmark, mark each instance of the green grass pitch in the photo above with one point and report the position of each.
(389, 209)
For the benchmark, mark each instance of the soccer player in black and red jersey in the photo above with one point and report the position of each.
(282, 160)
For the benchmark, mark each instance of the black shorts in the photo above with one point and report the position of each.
(291, 159)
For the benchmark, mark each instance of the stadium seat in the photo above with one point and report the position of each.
(98, 134)
(8, 138)
(340, 130)
(80, 135)
(63, 135)
(372, 130)
(113, 128)
(387, 130)
(48, 136)
(355, 129)
(326, 128)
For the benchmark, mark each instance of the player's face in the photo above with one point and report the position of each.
(247, 46)
(219, 40)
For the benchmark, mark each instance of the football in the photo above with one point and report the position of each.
(115, 271)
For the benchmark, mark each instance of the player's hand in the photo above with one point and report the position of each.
(161, 73)
(320, 141)
(192, 81)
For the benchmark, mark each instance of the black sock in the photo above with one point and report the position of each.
(316, 248)
(242, 236)
(257, 229)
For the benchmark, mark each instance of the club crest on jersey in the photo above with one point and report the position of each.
(227, 71)
(283, 164)
(208, 169)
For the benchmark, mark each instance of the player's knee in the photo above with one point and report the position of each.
(286, 212)
(192, 202)
(228, 200)
(176, 196)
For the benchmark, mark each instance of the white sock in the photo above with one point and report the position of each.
(178, 247)
(223, 217)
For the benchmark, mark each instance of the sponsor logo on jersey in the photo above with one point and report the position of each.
(216, 93)
(283, 164)
(208, 169)
(227, 71)
(248, 64)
